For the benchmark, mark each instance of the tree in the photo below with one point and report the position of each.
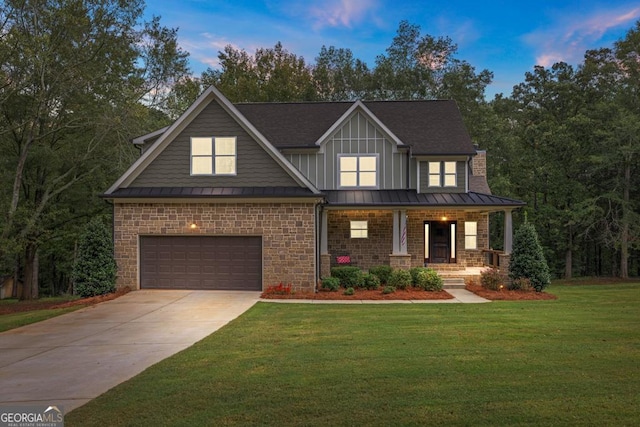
(76, 77)
(338, 76)
(94, 273)
(527, 259)
(271, 75)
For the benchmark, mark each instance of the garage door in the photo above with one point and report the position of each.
(201, 262)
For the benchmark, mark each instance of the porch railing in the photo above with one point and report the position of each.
(491, 258)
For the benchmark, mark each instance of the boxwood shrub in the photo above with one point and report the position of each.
(428, 279)
(350, 277)
(382, 271)
(400, 279)
(331, 283)
(371, 281)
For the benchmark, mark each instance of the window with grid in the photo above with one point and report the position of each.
(213, 155)
(358, 171)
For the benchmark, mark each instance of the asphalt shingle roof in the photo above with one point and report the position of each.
(429, 127)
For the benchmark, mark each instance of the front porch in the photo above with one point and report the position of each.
(454, 242)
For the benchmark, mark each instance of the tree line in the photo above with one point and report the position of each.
(80, 78)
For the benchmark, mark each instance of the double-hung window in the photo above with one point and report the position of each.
(442, 174)
(471, 235)
(213, 155)
(359, 230)
(358, 170)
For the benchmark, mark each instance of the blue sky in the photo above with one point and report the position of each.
(506, 37)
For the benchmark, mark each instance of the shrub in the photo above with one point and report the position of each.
(349, 291)
(94, 272)
(400, 279)
(527, 258)
(520, 284)
(491, 279)
(331, 283)
(382, 271)
(371, 281)
(350, 277)
(388, 290)
(414, 274)
(429, 280)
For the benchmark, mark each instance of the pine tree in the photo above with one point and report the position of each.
(527, 258)
(95, 269)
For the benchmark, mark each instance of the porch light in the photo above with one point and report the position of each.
(444, 218)
(193, 226)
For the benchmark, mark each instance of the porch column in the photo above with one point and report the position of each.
(508, 232)
(399, 232)
(325, 257)
(400, 257)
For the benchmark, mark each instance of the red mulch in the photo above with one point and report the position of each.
(363, 294)
(23, 306)
(507, 295)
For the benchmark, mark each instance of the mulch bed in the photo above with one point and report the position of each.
(363, 294)
(23, 306)
(507, 295)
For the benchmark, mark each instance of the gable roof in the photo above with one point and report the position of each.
(429, 127)
(210, 95)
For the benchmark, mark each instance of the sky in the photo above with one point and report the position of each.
(506, 37)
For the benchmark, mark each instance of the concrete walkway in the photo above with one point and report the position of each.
(73, 358)
(459, 296)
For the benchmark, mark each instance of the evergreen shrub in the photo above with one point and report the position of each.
(94, 272)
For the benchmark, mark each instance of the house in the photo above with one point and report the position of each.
(246, 196)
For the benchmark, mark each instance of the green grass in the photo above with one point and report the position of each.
(22, 318)
(573, 361)
(15, 320)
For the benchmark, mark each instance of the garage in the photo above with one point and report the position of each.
(201, 262)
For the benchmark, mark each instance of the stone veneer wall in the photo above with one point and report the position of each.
(364, 253)
(465, 258)
(287, 230)
(375, 250)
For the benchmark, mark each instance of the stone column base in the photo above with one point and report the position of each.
(325, 265)
(402, 262)
(504, 260)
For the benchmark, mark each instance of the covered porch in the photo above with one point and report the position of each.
(450, 234)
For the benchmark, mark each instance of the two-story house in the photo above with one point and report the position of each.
(250, 195)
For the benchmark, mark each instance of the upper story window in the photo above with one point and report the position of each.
(358, 170)
(213, 156)
(443, 174)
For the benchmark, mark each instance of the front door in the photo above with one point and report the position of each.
(440, 242)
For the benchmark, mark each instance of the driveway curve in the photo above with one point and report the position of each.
(73, 358)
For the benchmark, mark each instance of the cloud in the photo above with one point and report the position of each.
(341, 13)
(570, 37)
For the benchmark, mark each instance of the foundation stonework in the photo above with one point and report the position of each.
(287, 230)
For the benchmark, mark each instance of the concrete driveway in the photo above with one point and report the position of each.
(73, 358)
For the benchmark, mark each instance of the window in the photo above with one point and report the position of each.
(471, 235)
(449, 174)
(434, 174)
(358, 171)
(213, 156)
(442, 174)
(359, 230)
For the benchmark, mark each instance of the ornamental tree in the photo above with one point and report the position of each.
(527, 258)
(95, 269)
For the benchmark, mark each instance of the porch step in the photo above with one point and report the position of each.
(453, 283)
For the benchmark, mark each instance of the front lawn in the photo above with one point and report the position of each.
(14, 313)
(571, 361)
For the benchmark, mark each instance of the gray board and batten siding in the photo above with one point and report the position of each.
(461, 177)
(255, 167)
(357, 136)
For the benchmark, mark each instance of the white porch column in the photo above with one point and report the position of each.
(508, 232)
(403, 232)
(399, 232)
(324, 232)
(396, 232)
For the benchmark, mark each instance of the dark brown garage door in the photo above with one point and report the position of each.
(201, 262)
